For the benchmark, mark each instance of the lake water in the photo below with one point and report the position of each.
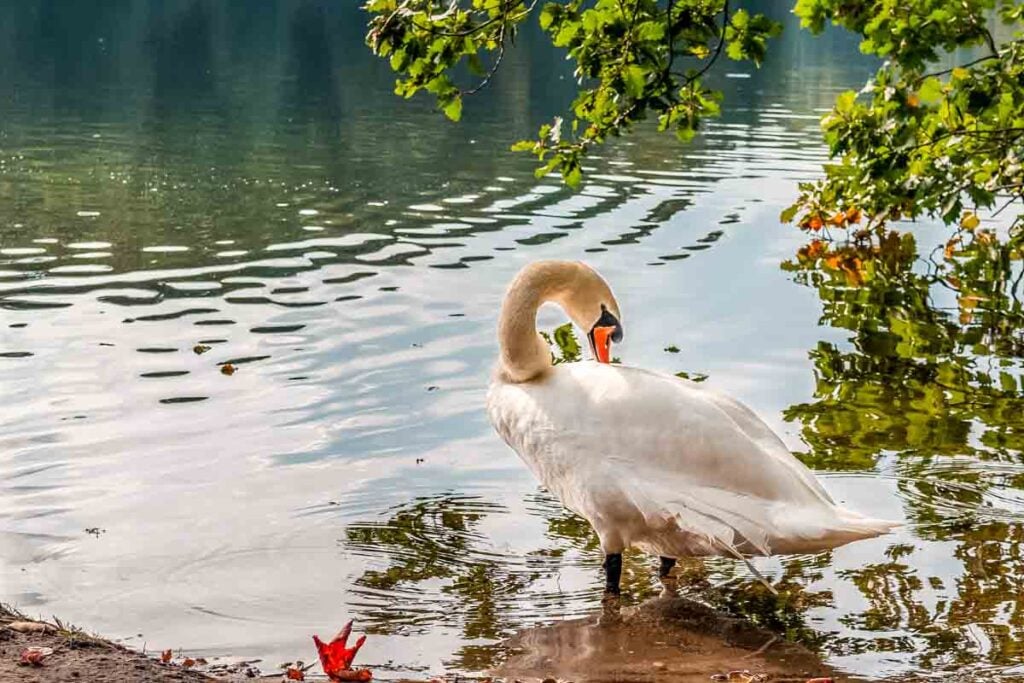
(185, 184)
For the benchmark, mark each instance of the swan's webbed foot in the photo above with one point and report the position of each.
(667, 563)
(612, 575)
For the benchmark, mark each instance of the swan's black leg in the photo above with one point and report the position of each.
(666, 566)
(612, 573)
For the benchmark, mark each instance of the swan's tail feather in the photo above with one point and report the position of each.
(829, 528)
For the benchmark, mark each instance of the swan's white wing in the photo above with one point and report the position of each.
(657, 461)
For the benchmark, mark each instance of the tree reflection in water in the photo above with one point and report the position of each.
(440, 570)
(931, 380)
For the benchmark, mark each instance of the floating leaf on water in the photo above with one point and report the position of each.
(693, 377)
(227, 369)
(200, 349)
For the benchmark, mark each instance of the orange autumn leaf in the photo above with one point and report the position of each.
(166, 656)
(293, 674)
(227, 369)
(188, 663)
(969, 302)
(815, 249)
(853, 215)
(839, 219)
(815, 223)
(951, 247)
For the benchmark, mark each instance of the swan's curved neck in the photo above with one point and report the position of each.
(524, 353)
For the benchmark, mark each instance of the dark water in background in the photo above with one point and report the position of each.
(238, 175)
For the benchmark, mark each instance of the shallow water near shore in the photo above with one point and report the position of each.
(189, 184)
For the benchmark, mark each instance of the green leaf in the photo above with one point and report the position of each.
(568, 346)
(931, 92)
(789, 213)
(573, 176)
(633, 77)
(548, 14)
(453, 110)
(845, 102)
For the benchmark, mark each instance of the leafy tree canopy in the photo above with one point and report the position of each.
(917, 140)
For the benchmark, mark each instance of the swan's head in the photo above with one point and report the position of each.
(589, 301)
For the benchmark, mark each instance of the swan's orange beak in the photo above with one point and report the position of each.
(602, 337)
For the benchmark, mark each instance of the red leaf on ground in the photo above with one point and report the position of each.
(188, 663)
(166, 656)
(33, 656)
(293, 674)
(337, 659)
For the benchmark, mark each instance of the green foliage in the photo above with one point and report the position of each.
(919, 380)
(566, 346)
(929, 379)
(633, 59)
(918, 141)
(944, 143)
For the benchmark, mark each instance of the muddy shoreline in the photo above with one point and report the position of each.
(665, 640)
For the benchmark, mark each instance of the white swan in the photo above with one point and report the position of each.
(649, 459)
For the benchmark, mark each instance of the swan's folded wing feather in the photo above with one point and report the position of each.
(759, 432)
(722, 519)
(675, 513)
(683, 427)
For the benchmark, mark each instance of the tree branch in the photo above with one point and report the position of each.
(504, 17)
(494, 69)
(718, 48)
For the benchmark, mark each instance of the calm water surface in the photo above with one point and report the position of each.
(185, 184)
